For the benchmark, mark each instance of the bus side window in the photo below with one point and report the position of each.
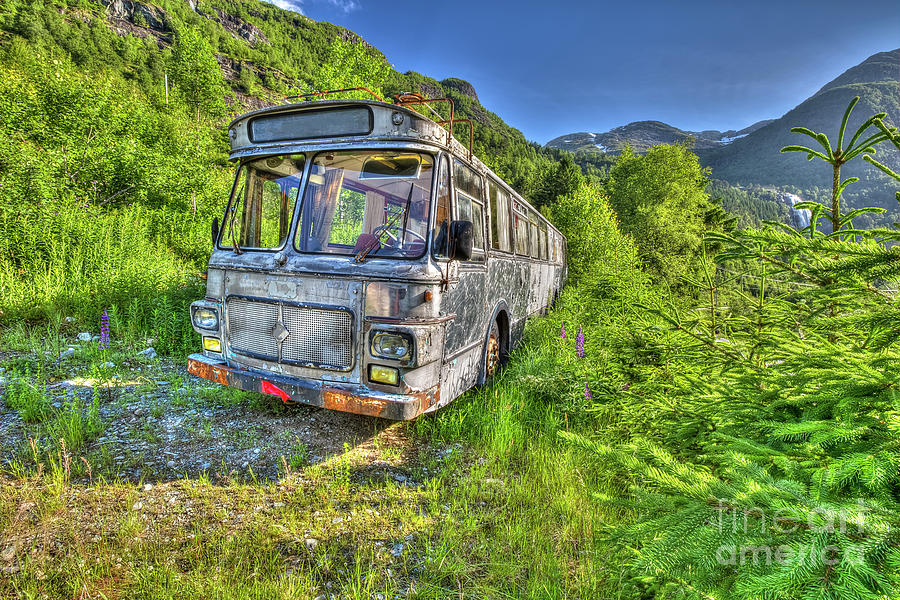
(520, 221)
(499, 218)
(543, 235)
(533, 243)
(468, 205)
(440, 235)
(478, 222)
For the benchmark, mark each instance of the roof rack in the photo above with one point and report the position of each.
(326, 93)
(405, 99)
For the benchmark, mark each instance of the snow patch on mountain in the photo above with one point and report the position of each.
(728, 140)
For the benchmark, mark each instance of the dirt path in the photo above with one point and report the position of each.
(157, 423)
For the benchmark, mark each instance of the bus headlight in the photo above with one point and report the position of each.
(206, 318)
(390, 344)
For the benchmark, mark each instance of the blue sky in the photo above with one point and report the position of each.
(552, 68)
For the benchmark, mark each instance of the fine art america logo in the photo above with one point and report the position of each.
(822, 525)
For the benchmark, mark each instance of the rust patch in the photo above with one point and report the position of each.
(206, 371)
(376, 407)
(361, 405)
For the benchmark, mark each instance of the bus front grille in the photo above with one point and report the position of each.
(303, 335)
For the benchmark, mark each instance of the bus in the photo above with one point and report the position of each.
(367, 261)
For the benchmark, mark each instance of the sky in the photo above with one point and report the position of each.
(553, 68)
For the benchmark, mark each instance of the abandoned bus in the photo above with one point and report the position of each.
(367, 262)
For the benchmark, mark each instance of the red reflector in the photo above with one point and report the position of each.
(271, 388)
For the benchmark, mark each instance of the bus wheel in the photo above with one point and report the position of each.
(492, 355)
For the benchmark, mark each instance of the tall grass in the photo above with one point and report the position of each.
(105, 199)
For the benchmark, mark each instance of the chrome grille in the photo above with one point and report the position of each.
(317, 336)
(250, 326)
(321, 337)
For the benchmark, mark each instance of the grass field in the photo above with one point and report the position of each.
(481, 500)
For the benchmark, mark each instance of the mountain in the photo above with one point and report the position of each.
(755, 159)
(752, 157)
(641, 135)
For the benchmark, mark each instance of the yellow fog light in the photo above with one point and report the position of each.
(388, 375)
(212, 344)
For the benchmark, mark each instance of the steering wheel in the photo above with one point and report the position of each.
(394, 240)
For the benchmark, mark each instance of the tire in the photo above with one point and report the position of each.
(493, 354)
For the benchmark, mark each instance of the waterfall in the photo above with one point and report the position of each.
(799, 216)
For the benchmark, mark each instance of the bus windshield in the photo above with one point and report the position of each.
(262, 207)
(367, 203)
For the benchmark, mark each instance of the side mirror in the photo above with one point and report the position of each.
(215, 230)
(462, 240)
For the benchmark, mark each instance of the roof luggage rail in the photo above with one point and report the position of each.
(326, 93)
(405, 99)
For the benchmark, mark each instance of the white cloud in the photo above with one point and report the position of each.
(346, 6)
(294, 5)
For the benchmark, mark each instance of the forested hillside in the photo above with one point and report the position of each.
(709, 410)
(754, 158)
(96, 142)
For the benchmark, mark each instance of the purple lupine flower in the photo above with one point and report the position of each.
(587, 392)
(562, 331)
(579, 344)
(104, 331)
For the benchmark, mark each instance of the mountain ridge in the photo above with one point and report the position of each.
(641, 135)
(752, 156)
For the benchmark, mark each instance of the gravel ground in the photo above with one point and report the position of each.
(160, 423)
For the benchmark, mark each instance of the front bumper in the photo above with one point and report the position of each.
(357, 399)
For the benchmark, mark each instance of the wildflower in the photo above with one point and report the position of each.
(579, 344)
(562, 331)
(104, 331)
(587, 392)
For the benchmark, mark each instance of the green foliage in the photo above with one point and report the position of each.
(752, 205)
(197, 74)
(28, 396)
(661, 201)
(77, 424)
(563, 178)
(597, 253)
(247, 80)
(351, 64)
(120, 192)
(763, 460)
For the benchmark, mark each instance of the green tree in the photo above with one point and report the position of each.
(247, 79)
(595, 245)
(353, 64)
(839, 155)
(197, 74)
(562, 178)
(661, 201)
(773, 471)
